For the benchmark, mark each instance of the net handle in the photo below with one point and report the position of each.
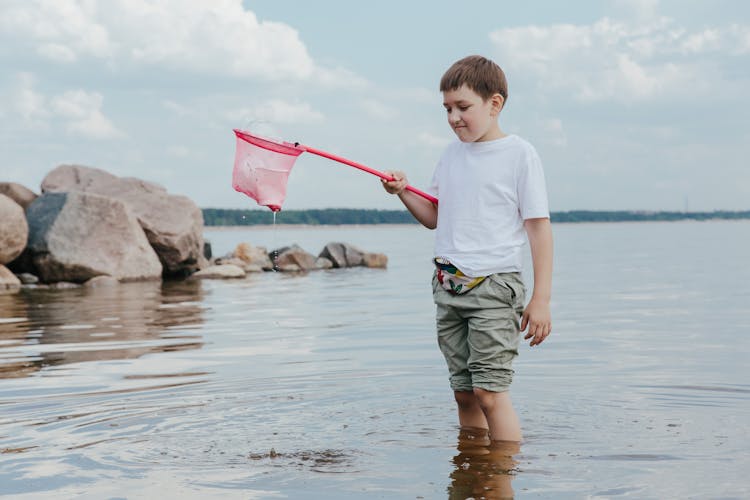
(367, 169)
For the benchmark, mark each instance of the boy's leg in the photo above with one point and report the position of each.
(470, 414)
(501, 417)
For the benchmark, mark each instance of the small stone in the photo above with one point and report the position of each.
(101, 282)
(226, 271)
(28, 278)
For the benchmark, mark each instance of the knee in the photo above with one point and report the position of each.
(487, 400)
(466, 400)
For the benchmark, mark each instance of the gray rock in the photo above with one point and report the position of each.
(227, 271)
(14, 230)
(76, 236)
(293, 256)
(28, 278)
(172, 223)
(18, 193)
(342, 254)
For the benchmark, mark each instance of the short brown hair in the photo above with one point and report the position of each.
(479, 74)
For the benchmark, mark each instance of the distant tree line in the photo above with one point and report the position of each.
(336, 216)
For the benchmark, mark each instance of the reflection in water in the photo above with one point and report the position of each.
(43, 328)
(484, 469)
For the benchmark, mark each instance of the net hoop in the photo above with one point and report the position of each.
(282, 147)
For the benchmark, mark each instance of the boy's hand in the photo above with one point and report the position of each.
(397, 185)
(539, 320)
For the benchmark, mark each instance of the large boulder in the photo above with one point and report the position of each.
(76, 236)
(13, 229)
(18, 193)
(172, 223)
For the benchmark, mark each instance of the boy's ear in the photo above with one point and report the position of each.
(498, 102)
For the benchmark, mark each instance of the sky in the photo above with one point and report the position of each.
(632, 105)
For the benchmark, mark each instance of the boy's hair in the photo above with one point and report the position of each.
(479, 74)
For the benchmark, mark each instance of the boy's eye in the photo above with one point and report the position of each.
(463, 108)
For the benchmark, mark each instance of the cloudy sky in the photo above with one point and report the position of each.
(631, 104)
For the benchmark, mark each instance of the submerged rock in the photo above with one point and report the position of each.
(342, 254)
(254, 256)
(8, 280)
(375, 260)
(286, 257)
(346, 255)
(226, 271)
(76, 236)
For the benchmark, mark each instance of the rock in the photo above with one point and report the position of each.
(257, 256)
(342, 254)
(227, 271)
(101, 282)
(27, 278)
(293, 255)
(8, 280)
(64, 285)
(18, 193)
(323, 263)
(376, 260)
(207, 251)
(14, 230)
(76, 236)
(289, 268)
(172, 223)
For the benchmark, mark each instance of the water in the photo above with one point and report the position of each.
(330, 384)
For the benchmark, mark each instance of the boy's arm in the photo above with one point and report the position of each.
(537, 314)
(423, 210)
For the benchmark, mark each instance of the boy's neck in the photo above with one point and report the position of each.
(492, 134)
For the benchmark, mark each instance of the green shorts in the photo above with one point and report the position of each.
(478, 332)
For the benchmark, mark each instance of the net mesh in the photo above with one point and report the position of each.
(261, 168)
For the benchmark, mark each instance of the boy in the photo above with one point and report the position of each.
(491, 188)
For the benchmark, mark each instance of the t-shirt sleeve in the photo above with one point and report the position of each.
(532, 189)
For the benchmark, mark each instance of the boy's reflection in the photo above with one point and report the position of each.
(483, 468)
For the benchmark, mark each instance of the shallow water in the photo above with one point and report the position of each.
(330, 384)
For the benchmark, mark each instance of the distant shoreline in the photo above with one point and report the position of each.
(236, 218)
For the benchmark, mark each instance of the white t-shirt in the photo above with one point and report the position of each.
(486, 190)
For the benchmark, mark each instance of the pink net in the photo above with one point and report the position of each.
(261, 168)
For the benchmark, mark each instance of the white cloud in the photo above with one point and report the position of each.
(219, 37)
(60, 31)
(27, 103)
(82, 113)
(619, 60)
(277, 111)
(77, 111)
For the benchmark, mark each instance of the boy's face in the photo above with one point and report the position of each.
(472, 118)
